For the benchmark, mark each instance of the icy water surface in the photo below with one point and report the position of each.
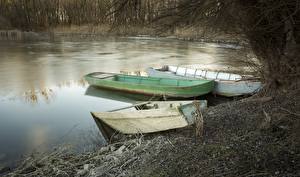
(44, 102)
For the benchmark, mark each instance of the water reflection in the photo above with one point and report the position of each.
(34, 96)
(37, 138)
(50, 120)
(43, 64)
(118, 95)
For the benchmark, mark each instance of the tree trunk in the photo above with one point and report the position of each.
(279, 51)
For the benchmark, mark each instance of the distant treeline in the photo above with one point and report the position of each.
(43, 14)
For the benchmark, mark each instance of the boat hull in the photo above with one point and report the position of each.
(162, 116)
(144, 121)
(236, 88)
(192, 88)
(227, 88)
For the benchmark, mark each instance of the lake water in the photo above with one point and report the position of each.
(44, 101)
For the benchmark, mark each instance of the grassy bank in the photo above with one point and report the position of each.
(257, 136)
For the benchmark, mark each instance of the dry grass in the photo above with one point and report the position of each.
(104, 30)
(191, 34)
(200, 33)
(111, 160)
(198, 121)
(235, 142)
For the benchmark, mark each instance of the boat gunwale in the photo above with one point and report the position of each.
(140, 112)
(166, 68)
(191, 77)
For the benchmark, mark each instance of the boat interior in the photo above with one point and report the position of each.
(181, 71)
(161, 104)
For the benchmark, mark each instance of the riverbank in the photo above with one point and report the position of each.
(256, 136)
(92, 32)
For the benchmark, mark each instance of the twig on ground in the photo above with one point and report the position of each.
(265, 124)
(170, 142)
(290, 112)
(127, 162)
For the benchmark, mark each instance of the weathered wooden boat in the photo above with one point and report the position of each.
(151, 85)
(226, 84)
(148, 117)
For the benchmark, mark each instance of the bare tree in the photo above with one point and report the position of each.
(271, 26)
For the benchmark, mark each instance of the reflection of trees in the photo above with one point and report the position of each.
(271, 28)
(34, 96)
(81, 83)
(28, 63)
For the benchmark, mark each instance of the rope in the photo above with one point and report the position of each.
(217, 74)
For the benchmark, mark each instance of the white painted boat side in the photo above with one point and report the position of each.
(226, 84)
(188, 72)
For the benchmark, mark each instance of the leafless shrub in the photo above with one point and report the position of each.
(272, 28)
(44, 14)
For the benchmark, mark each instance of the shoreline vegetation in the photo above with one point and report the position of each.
(98, 17)
(239, 139)
(92, 32)
(93, 19)
(255, 136)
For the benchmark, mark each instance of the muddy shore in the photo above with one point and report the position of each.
(256, 136)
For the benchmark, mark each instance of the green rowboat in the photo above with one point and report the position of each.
(150, 85)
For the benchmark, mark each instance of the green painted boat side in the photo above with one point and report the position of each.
(151, 85)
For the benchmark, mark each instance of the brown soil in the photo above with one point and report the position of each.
(243, 138)
(250, 137)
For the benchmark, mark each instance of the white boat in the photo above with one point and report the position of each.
(150, 117)
(226, 84)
